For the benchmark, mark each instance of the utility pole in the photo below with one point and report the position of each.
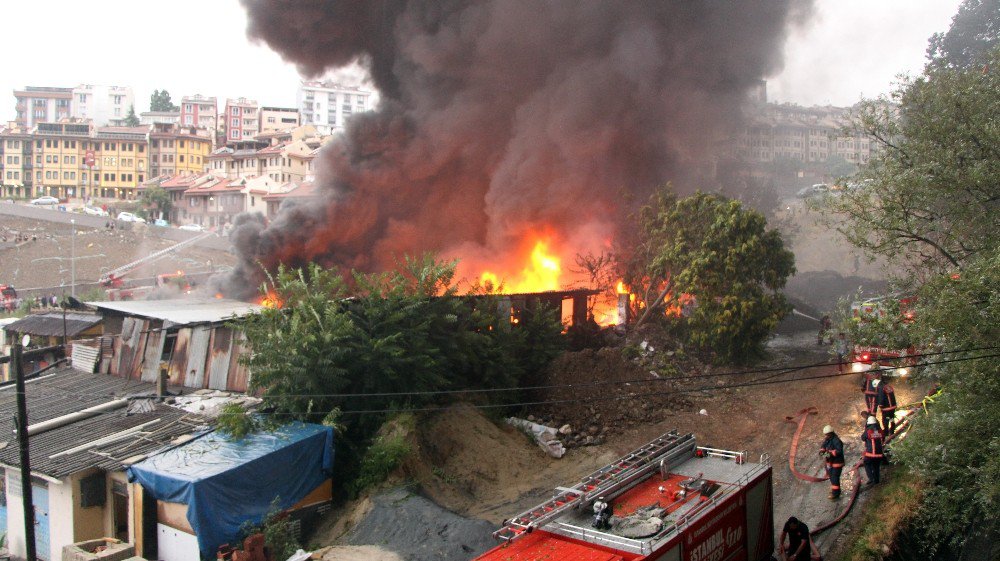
(72, 262)
(21, 422)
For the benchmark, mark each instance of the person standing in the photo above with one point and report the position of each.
(825, 323)
(869, 389)
(843, 349)
(832, 450)
(800, 544)
(886, 398)
(873, 454)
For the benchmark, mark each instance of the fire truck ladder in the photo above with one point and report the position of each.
(618, 475)
(155, 256)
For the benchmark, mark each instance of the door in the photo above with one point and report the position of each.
(40, 498)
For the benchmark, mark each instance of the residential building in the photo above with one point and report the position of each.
(328, 105)
(175, 186)
(54, 328)
(175, 150)
(60, 159)
(38, 104)
(278, 118)
(159, 117)
(78, 458)
(292, 194)
(215, 203)
(105, 105)
(200, 111)
(16, 161)
(241, 120)
(121, 162)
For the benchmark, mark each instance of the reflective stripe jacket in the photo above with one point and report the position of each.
(866, 383)
(833, 449)
(873, 439)
(886, 398)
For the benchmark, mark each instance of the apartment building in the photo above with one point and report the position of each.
(159, 117)
(60, 159)
(175, 150)
(278, 119)
(281, 163)
(105, 105)
(328, 105)
(121, 161)
(241, 120)
(200, 111)
(38, 104)
(803, 134)
(16, 150)
(216, 202)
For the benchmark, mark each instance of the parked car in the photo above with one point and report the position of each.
(813, 190)
(94, 211)
(46, 200)
(192, 228)
(129, 217)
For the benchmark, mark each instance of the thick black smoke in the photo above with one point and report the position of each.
(504, 119)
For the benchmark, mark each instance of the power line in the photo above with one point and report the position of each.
(617, 397)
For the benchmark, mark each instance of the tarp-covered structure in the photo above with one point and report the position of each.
(227, 482)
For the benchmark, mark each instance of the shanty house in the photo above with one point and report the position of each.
(207, 489)
(84, 430)
(49, 328)
(188, 339)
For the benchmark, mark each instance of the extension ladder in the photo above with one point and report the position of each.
(618, 475)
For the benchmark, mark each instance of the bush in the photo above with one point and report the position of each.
(381, 459)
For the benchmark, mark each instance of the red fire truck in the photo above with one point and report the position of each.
(669, 500)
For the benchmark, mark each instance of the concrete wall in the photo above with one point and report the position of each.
(88, 523)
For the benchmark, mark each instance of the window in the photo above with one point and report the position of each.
(270, 119)
(181, 158)
(180, 143)
(38, 144)
(234, 111)
(188, 120)
(188, 108)
(82, 98)
(142, 148)
(65, 159)
(234, 122)
(234, 134)
(65, 175)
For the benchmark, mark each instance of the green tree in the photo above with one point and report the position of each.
(931, 191)
(716, 263)
(974, 33)
(160, 101)
(393, 340)
(131, 120)
(957, 448)
(157, 201)
(837, 166)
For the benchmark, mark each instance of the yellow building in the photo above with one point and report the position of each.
(178, 150)
(15, 162)
(120, 161)
(58, 158)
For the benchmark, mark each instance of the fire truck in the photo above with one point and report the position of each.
(114, 282)
(875, 309)
(669, 500)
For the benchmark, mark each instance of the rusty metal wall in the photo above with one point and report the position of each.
(237, 378)
(218, 358)
(153, 351)
(194, 369)
(179, 358)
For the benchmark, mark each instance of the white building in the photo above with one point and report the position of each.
(159, 117)
(278, 119)
(327, 105)
(106, 105)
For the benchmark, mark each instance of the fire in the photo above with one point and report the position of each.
(541, 274)
(271, 300)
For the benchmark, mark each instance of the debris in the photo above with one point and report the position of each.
(565, 429)
(703, 412)
(546, 437)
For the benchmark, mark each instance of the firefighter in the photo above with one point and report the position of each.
(874, 373)
(873, 454)
(800, 545)
(602, 514)
(832, 450)
(886, 399)
(843, 348)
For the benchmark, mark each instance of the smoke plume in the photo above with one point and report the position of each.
(504, 120)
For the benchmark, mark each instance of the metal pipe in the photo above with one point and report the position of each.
(74, 417)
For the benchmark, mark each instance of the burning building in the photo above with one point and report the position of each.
(507, 124)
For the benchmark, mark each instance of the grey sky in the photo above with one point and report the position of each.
(849, 49)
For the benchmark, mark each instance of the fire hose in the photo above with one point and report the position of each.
(800, 418)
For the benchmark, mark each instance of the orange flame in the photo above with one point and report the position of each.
(541, 274)
(271, 300)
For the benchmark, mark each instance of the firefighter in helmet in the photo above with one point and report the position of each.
(832, 450)
(874, 452)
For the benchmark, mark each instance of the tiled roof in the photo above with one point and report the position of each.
(304, 190)
(68, 391)
(218, 186)
(51, 324)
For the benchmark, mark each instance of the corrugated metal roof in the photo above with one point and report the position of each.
(50, 324)
(68, 391)
(182, 311)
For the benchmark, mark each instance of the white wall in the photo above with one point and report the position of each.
(60, 518)
(175, 545)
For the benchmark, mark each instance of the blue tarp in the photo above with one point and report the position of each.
(226, 482)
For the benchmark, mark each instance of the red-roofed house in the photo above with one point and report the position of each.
(294, 193)
(214, 203)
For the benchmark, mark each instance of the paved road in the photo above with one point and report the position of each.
(49, 214)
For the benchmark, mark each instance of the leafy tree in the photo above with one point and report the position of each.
(158, 199)
(716, 264)
(160, 101)
(957, 447)
(974, 33)
(837, 166)
(405, 333)
(131, 120)
(931, 191)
